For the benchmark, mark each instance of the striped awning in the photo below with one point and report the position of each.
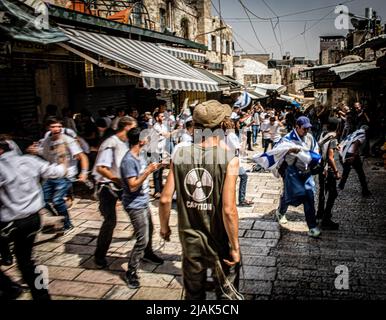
(158, 69)
(185, 55)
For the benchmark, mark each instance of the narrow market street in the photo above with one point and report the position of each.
(279, 262)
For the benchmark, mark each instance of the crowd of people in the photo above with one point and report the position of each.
(118, 152)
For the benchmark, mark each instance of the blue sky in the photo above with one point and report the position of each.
(288, 31)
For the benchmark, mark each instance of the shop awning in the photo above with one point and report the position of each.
(222, 83)
(347, 70)
(184, 54)
(263, 89)
(19, 22)
(158, 69)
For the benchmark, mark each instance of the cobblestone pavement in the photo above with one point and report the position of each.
(279, 262)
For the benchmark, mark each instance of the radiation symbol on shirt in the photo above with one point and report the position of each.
(198, 184)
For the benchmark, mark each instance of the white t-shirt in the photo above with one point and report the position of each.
(110, 155)
(247, 123)
(232, 140)
(65, 147)
(235, 116)
(256, 119)
(186, 137)
(275, 132)
(157, 139)
(266, 126)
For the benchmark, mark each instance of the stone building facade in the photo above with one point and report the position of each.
(189, 19)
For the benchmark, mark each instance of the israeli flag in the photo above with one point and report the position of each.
(243, 101)
(272, 159)
(359, 135)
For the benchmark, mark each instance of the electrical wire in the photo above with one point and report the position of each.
(253, 28)
(234, 32)
(273, 27)
(300, 12)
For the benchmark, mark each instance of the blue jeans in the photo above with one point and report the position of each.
(143, 230)
(309, 208)
(255, 132)
(243, 184)
(307, 197)
(54, 191)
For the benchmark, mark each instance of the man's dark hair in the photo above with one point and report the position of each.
(52, 120)
(133, 136)
(4, 145)
(189, 124)
(101, 123)
(332, 126)
(156, 114)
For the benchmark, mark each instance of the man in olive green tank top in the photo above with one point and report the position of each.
(204, 176)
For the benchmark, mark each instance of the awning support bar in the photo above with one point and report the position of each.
(98, 63)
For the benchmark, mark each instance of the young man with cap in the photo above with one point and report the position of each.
(204, 176)
(299, 185)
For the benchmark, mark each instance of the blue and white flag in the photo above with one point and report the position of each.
(243, 101)
(359, 135)
(271, 160)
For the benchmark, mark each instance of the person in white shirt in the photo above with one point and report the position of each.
(158, 151)
(274, 129)
(255, 124)
(56, 148)
(247, 122)
(352, 159)
(233, 142)
(265, 129)
(187, 135)
(107, 175)
(21, 199)
(120, 114)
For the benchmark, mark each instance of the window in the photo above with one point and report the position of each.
(162, 19)
(214, 44)
(228, 48)
(185, 28)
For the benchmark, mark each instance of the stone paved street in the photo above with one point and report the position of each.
(279, 262)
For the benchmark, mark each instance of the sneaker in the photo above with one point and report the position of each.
(246, 203)
(68, 230)
(131, 279)
(314, 232)
(101, 263)
(11, 293)
(281, 218)
(329, 225)
(6, 261)
(152, 258)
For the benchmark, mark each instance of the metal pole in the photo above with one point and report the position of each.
(221, 44)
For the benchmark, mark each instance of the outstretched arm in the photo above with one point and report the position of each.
(230, 214)
(165, 204)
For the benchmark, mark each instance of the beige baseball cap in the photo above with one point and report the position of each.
(211, 113)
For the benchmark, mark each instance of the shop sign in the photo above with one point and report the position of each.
(89, 74)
